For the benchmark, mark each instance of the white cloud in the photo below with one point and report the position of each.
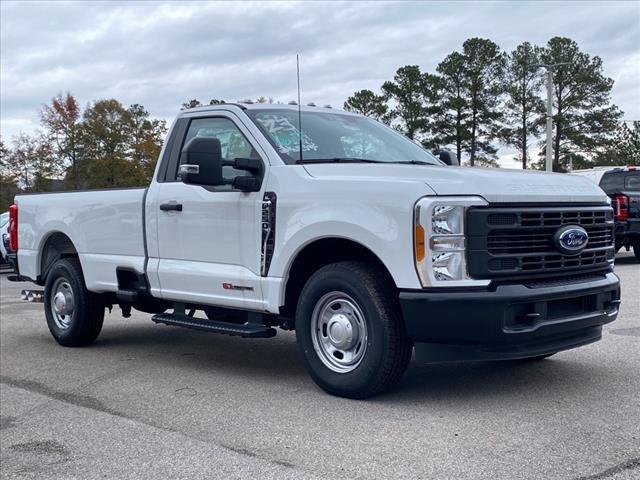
(161, 54)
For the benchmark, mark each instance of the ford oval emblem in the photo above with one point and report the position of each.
(571, 240)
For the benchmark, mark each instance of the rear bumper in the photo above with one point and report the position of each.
(510, 321)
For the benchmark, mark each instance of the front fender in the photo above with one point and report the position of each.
(387, 236)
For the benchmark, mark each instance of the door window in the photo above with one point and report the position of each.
(232, 141)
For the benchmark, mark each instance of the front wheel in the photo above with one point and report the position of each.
(74, 314)
(350, 329)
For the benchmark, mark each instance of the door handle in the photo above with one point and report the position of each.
(167, 207)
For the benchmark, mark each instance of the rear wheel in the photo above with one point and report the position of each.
(350, 330)
(74, 314)
(636, 249)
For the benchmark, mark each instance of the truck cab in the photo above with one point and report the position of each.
(334, 225)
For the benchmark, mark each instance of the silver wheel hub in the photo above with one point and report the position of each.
(339, 332)
(62, 303)
(342, 331)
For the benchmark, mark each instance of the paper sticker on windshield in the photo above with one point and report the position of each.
(285, 135)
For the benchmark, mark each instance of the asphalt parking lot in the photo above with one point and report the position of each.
(150, 401)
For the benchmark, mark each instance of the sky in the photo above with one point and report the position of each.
(161, 54)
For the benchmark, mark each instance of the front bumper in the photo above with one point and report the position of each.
(510, 321)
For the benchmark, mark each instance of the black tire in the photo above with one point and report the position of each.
(85, 321)
(388, 349)
(636, 250)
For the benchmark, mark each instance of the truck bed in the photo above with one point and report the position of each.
(105, 226)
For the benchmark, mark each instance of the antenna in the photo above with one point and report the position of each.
(299, 112)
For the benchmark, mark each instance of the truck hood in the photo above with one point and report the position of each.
(493, 184)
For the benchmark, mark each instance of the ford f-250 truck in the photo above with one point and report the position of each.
(344, 230)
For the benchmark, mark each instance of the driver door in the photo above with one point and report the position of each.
(209, 249)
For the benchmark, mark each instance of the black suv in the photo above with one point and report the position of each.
(623, 186)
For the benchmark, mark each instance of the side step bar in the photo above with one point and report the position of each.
(247, 330)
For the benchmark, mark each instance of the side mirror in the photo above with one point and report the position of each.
(203, 162)
(449, 158)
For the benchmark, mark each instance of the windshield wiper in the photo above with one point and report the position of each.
(339, 160)
(412, 162)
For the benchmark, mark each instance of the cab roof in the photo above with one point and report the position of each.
(263, 106)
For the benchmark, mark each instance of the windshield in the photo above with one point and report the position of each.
(331, 137)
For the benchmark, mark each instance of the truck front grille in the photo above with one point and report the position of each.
(506, 242)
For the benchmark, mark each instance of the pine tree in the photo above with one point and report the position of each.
(483, 69)
(524, 108)
(585, 119)
(413, 94)
(453, 112)
(367, 103)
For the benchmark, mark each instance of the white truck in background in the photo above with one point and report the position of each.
(344, 230)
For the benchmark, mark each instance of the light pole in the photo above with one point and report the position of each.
(549, 151)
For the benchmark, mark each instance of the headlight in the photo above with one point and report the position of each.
(440, 243)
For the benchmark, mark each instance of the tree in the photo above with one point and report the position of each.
(585, 119)
(367, 103)
(61, 121)
(107, 137)
(451, 118)
(483, 69)
(8, 187)
(146, 139)
(624, 149)
(193, 103)
(30, 163)
(413, 96)
(524, 108)
(215, 101)
(628, 142)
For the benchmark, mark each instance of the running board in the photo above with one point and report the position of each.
(247, 330)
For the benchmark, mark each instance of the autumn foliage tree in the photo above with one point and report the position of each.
(61, 121)
(31, 163)
(107, 145)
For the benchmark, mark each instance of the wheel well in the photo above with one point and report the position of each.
(315, 256)
(57, 246)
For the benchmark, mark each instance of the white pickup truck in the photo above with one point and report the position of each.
(360, 240)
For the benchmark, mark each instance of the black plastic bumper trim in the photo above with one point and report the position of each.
(504, 318)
